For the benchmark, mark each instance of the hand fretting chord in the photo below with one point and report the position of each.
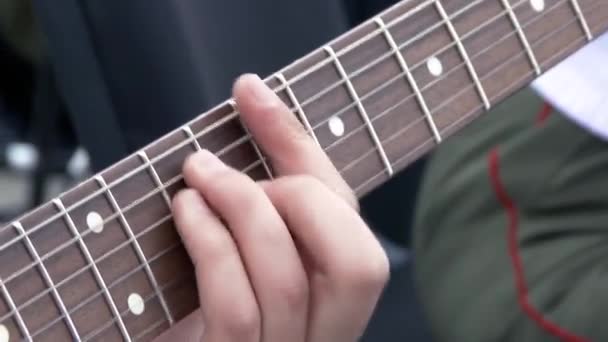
(297, 105)
(138, 250)
(156, 178)
(581, 17)
(463, 52)
(522, 36)
(48, 280)
(411, 80)
(13, 308)
(362, 111)
(93, 266)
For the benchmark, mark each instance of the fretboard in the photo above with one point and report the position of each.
(103, 261)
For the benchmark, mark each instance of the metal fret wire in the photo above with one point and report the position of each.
(299, 109)
(113, 284)
(445, 103)
(430, 84)
(463, 53)
(362, 186)
(114, 250)
(98, 277)
(412, 40)
(255, 146)
(518, 80)
(169, 183)
(479, 107)
(243, 139)
(138, 250)
(188, 131)
(361, 110)
(504, 91)
(228, 118)
(522, 36)
(258, 152)
(224, 120)
(233, 115)
(159, 185)
(49, 281)
(148, 298)
(579, 13)
(412, 82)
(11, 303)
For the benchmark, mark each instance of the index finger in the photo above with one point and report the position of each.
(282, 137)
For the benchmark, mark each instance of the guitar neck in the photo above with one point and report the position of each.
(104, 261)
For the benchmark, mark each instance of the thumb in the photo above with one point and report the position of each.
(282, 137)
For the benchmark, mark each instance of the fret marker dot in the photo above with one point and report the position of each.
(4, 334)
(336, 126)
(435, 66)
(136, 304)
(538, 5)
(95, 222)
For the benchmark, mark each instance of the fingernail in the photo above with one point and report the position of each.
(260, 91)
(208, 163)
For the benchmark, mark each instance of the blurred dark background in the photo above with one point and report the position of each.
(85, 82)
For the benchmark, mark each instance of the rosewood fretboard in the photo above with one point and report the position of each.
(103, 261)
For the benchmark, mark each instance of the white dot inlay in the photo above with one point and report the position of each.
(136, 304)
(336, 126)
(435, 66)
(4, 334)
(538, 5)
(95, 222)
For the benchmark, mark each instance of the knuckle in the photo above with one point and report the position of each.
(294, 293)
(368, 276)
(214, 248)
(235, 323)
(243, 324)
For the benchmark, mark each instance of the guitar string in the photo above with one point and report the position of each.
(147, 299)
(98, 294)
(75, 205)
(429, 85)
(109, 188)
(124, 210)
(466, 116)
(247, 137)
(532, 73)
(148, 330)
(215, 125)
(445, 103)
(390, 53)
(524, 52)
(107, 254)
(140, 234)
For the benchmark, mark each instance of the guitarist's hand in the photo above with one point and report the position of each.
(283, 260)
